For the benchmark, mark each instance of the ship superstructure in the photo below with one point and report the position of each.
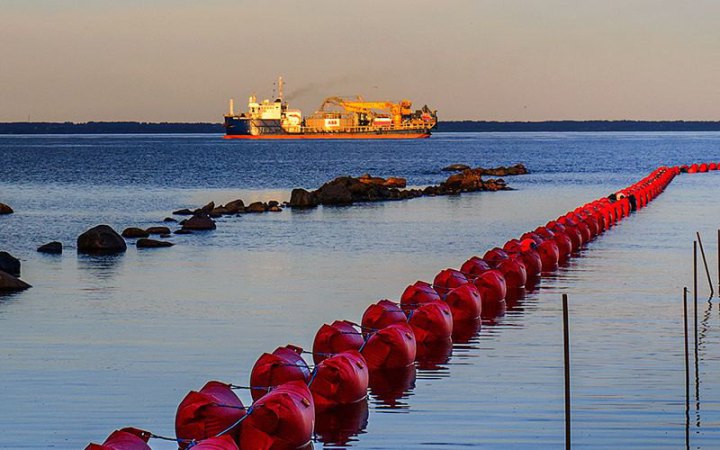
(337, 117)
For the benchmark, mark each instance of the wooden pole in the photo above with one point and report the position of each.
(707, 270)
(566, 346)
(687, 371)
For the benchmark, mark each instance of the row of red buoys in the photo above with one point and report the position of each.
(288, 395)
(700, 167)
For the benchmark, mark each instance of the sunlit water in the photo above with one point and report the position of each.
(104, 342)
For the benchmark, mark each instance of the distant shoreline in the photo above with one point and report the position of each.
(10, 128)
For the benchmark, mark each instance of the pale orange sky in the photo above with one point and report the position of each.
(179, 60)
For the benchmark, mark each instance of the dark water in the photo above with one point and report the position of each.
(105, 342)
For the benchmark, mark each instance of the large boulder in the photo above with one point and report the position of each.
(152, 243)
(199, 222)
(11, 283)
(300, 198)
(9, 264)
(54, 247)
(235, 206)
(101, 239)
(468, 180)
(336, 192)
(5, 209)
(256, 207)
(134, 232)
(205, 209)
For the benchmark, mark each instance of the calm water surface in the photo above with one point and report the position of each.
(104, 342)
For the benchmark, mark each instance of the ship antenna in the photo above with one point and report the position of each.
(280, 88)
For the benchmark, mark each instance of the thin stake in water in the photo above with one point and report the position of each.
(687, 372)
(566, 345)
(707, 270)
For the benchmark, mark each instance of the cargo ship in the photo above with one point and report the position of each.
(337, 118)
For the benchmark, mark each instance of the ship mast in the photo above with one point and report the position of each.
(280, 88)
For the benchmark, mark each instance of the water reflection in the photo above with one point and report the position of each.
(432, 357)
(102, 267)
(389, 387)
(340, 426)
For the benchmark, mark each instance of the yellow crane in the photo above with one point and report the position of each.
(358, 105)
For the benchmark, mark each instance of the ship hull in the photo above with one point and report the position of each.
(258, 129)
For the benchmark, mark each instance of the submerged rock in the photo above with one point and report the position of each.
(134, 232)
(9, 264)
(152, 243)
(183, 212)
(101, 239)
(54, 247)
(181, 231)
(5, 209)
(158, 230)
(170, 219)
(455, 168)
(10, 283)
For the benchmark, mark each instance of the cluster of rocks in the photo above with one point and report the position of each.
(10, 274)
(502, 171)
(348, 190)
(232, 208)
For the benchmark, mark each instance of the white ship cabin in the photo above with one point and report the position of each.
(266, 109)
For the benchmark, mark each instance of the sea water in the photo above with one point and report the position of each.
(100, 343)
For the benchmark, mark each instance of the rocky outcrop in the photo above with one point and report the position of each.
(235, 206)
(9, 264)
(199, 222)
(256, 207)
(54, 247)
(5, 209)
(152, 243)
(101, 239)
(366, 188)
(502, 171)
(133, 232)
(10, 283)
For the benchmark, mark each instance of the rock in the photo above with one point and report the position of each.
(5, 209)
(300, 198)
(468, 180)
(335, 192)
(11, 283)
(455, 168)
(157, 230)
(275, 208)
(395, 182)
(101, 239)
(165, 235)
(134, 232)
(256, 207)
(205, 209)
(183, 212)
(54, 247)
(235, 206)
(517, 169)
(169, 219)
(199, 222)
(272, 203)
(152, 243)
(367, 179)
(219, 211)
(181, 231)
(9, 264)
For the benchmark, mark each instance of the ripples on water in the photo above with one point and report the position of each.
(104, 342)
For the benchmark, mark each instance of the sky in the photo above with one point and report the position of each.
(180, 60)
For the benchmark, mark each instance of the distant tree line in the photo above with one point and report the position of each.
(446, 126)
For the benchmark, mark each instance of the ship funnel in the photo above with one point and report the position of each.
(232, 109)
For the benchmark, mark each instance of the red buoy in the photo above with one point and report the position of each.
(281, 419)
(390, 348)
(208, 412)
(448, 279)
(335, 338)
(532, 261)
(495, 256)
(124, 439)
(474, 267)
(432, 322)
(223, 442)
(514, 272)
(340, 380)
(381, 314)
(281, 366)
(549, 255)
(418, 294)
(465, 302)
(492, 287)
